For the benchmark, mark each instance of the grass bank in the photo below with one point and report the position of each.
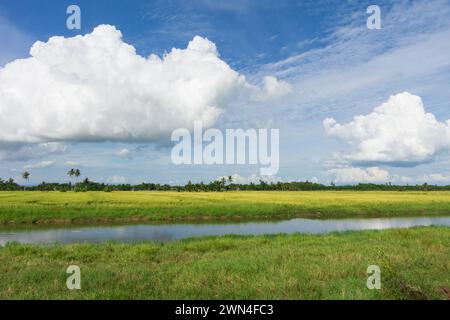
(414, 264)
(71, 207)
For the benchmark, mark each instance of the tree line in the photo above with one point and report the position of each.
(220, 185)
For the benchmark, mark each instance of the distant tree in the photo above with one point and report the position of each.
(222, 183)
(71, 173)
(74, 173)
(26, 175)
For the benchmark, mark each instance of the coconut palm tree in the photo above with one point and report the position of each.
(74, 172)
(71, 172)
(26, 175)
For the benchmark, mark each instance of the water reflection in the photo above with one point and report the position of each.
(170, 232)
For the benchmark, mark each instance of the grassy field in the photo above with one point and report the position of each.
(415, 264)
(71, 207)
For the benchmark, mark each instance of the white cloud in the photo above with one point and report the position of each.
(116, 180)
(348, 70)
(315, 180)
(397, 132)
(40, 165)
(353, 58)
(253, 178)
(96, 88)
(272, 88)
(71, 163)
(438, 178)
(124, 153)
(358, 175)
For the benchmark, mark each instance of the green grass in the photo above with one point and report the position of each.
(70, 207)
(415, 263)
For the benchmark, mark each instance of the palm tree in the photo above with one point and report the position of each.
(74, 172)
(70, 173)
(26, 175)
(77, 173)
(222, 182)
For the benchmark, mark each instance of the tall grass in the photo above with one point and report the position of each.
(414, 264)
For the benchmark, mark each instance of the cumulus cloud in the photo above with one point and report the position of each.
(398, 132)
(40, 165)
(96, 88)
(124, 153)
(271, 88)
(357, 175)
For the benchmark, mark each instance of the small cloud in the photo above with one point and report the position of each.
(238, 179)
(438, 178)
(116, 180)
(271, 88)
(39, 165)
(306, 42)
(124, 153)
(314, 180)
(358, 175)
(71, 163)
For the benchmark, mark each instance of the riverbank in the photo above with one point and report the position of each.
(414, 265)
(104, 207)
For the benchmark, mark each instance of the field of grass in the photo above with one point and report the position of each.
(415, 264)
(71, 207)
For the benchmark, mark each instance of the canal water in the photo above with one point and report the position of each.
(171, 232)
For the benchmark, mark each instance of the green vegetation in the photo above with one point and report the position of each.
(25, 176)
(414, 264)
(220, 185)
(73, 207)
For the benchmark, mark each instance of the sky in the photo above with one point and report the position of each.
(352, 104)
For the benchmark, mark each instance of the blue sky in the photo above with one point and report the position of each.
(335, 68)
(264, 31)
